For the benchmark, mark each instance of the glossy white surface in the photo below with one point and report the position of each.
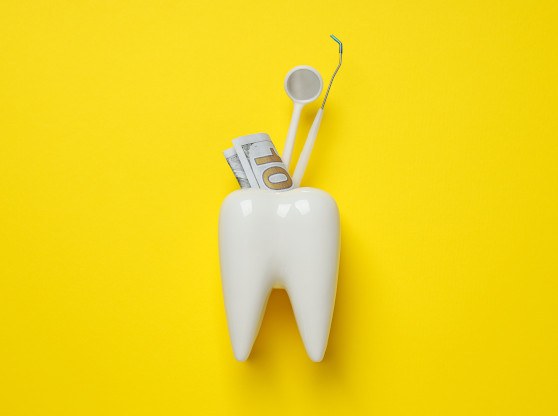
(287, 240)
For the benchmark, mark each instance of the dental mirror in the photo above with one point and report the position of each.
(303, 85)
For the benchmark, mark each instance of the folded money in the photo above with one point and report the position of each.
(236, 166)
(260, 165)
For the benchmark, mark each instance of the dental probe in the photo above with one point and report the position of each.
(313, 133)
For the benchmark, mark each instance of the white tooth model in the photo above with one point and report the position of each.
(270, 239)
(284, 240)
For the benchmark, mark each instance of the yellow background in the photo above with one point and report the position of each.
(438, 142)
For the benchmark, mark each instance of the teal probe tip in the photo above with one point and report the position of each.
(339, 42)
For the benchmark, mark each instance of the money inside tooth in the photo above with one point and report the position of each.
(261, 163)
(236, 166)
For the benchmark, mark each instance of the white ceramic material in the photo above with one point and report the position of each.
(284, 240)
(303, 85)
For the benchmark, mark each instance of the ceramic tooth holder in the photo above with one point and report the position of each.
(286, 240)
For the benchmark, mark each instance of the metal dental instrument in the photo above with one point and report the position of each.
(313, 133)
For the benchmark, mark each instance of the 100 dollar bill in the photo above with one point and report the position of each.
(262, 165)
(236, 167)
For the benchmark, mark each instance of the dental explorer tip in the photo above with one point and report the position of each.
(338, 41)
(336, 69)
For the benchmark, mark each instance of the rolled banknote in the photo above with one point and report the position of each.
(261, 163)
(236, 166)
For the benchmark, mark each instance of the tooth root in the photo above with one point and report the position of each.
(312, 298)
(246, 296)
(311, 284)
(246, 285)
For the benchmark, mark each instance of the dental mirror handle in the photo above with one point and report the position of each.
(289, 144)
(307, 149)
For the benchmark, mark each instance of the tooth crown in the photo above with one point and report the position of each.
(279, 239)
